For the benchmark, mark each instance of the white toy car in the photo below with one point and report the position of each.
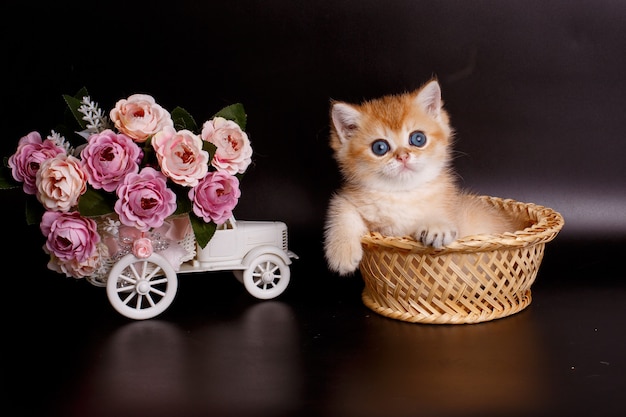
(255, 251)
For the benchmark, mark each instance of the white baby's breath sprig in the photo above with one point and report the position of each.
(60, 140)
(96, 119)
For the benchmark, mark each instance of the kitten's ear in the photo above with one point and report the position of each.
(345, 119)
(429, 99)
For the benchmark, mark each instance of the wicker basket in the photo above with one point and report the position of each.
(472, 280)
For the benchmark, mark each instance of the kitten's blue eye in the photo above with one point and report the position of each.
(417, 138)
(380, 147)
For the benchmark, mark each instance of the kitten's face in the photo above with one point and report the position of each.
(394, 142)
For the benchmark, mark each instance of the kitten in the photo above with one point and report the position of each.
(394, 154)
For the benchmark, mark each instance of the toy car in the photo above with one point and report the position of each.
(255, 251)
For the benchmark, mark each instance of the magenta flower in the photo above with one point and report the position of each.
(215, 196)
(144, 201)
(108, 157)
(25, 162)
(69, 236)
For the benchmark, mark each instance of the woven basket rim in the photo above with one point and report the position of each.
(546, 225)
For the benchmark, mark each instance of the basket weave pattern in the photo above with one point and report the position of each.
(474, 279)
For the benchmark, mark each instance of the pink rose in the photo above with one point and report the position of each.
(142, 248)
(69, 236)
(75, 269)
(234, 152)
(60, 182)
(140, 117)
(108, 157)
(144, 201)
(25, 162)
(215, 196)
(180, 156)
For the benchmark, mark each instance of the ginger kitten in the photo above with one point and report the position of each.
(394, 153)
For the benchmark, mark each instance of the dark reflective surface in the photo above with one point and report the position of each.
(318, 351)
(246, 365)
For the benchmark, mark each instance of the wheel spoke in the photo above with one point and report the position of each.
(150, 300)
(125, 288)
(135, 272)
(127, 278)
(155, 271)
(157, 291)
(130, 297)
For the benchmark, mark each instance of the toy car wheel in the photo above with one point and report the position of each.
(141, 288)
(267, 276)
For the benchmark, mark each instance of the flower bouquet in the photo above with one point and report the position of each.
(136, 179)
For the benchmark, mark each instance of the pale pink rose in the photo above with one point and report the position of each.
(108, 157)
(140, 117)
(144, 201)
(75, 269)
(25, 162)
(69, 236)
(180, 156)
(60, 182)
(142, 248)
(234, 152)
(215, 196)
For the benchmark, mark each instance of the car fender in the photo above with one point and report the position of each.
(262, 250)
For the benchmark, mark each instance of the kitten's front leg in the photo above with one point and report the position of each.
(437, 235)
(344, 229)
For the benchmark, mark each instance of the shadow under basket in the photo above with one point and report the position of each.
(472, 280)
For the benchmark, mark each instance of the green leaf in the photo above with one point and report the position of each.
(95, 203)
(149, 155)
(183, 120)
(74, 103)
(234, 112)
(203, 231)
(81, 93)
(6, 179)
(210, 148)
(183, 205)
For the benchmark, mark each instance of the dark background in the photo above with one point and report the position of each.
(537, 95)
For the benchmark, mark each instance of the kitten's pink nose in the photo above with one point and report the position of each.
(402, 157)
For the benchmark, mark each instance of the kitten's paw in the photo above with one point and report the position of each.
(344, 259)
(437, 236)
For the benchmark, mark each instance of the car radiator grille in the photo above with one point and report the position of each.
(285, 241)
